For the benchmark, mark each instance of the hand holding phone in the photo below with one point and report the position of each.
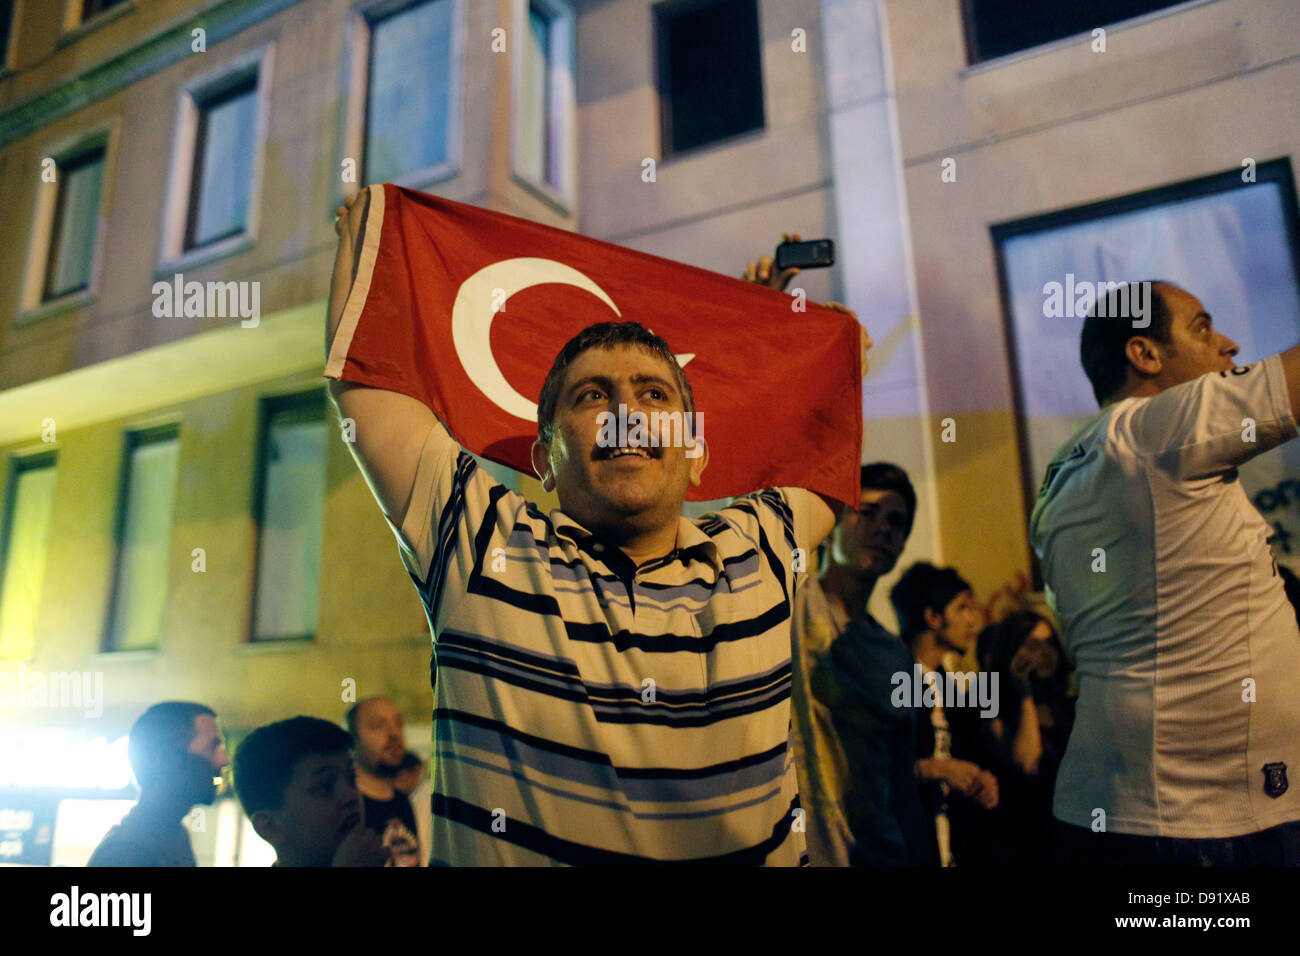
(811, 254)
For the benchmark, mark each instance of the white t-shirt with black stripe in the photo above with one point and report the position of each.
(1188, 718)
(587, 711)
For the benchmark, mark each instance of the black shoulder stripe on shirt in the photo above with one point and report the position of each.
(488, 585)
(749, 506)
(579, 854)
(773, 500)
(445, 539)
(778, 567)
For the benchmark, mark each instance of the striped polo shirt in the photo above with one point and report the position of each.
(590, 711)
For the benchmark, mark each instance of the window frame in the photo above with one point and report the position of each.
(20, 461)
(561, 106)
(76, 25)
(192, 98)
(974, 64)
(1276, 171)
(301, 405)
(70, 163)
(662, 14)
(132, 439)
(32, 306)
(355, 77)
(10, 44)
(244, 84)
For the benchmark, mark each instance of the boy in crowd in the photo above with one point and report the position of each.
(296, 783)
(937, 618)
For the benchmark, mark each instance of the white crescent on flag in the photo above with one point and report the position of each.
(478, 300)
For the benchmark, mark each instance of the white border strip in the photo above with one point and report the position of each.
(360, 290)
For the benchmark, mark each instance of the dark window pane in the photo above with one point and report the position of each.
(535, 148)
(223, 164)
(6, 25)
(408, 99)
(710, 72)
(146, 508)
(999, 27)
(76, 215)
(291, 512)
(90, 8)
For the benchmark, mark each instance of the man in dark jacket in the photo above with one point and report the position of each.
(177, 754)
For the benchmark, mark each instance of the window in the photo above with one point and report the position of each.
(290, 507)
(76, 220)
(214, 183)
(146, 505)
(544, 96)
(998, 27)
(6, 30)
(409, 98)
(225, 144)
(28, 507)
(710, 72)
(92, 8)
(1232, 245)
(78, 13)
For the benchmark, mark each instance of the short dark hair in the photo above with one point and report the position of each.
(883, 476)
(265, 760)
(158, 735)
(923, 587)
(1108, 328)
(603, 335)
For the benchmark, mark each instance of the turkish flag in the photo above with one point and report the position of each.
(465, 310)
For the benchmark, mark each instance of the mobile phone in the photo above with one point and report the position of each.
(812, 254)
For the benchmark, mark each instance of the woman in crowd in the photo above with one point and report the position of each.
(1024, 744)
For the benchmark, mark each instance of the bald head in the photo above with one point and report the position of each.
(376, 726)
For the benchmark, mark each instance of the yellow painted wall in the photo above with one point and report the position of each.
(371, 625)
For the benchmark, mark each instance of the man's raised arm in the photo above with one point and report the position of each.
(390, 428)
(824, 511)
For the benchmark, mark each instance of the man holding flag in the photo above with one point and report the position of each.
(611, 680)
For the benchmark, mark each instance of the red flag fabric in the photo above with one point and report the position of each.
(465, 310)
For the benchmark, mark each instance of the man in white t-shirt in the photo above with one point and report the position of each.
(1169, 597)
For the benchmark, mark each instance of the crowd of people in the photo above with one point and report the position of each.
(621, 685)
(318, 794)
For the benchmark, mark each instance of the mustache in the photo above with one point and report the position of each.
(602, 453)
